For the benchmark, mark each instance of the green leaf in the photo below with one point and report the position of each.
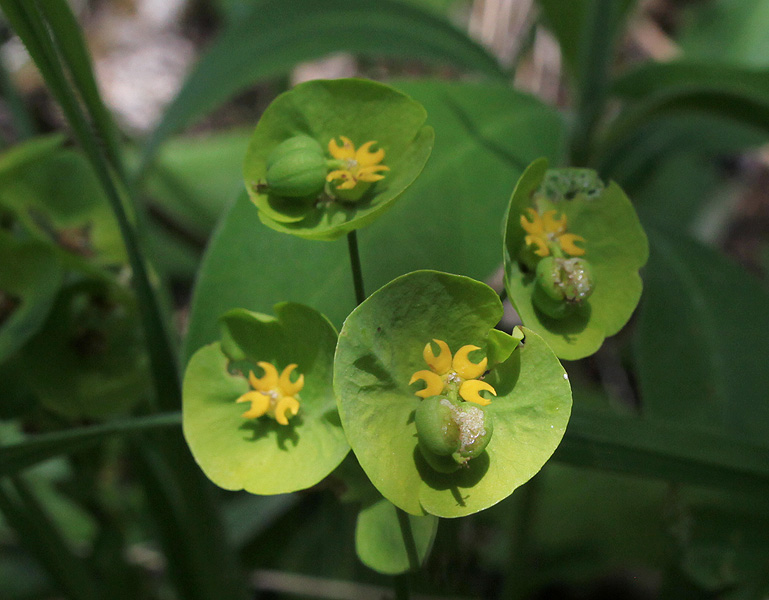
(379, 538)
(30, 276)
(35, 449)
(381, 346)
(668, 451)
(262, 456)
(88, 360)
(61, 196)
(311, 29)
(684, 89)
(567, 20)
(615, 245)
(21, 155)
(739, 26)
(360, 110)
(706, 314)
(449, 219)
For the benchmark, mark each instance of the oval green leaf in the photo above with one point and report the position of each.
(259, 455)
(380, 533)
(615, 244)
(360, 110)
(381, 346)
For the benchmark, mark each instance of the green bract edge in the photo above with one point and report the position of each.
(380, 347)
(259, 455)
(616, 247)
(360, 110)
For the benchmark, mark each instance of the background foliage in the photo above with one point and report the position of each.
(659, 487)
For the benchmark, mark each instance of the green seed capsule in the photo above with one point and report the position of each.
(562, 284)
(296, 168)
(451, 432)
(437, 430)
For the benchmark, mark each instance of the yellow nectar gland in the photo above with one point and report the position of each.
(359, 165)
(457, 372)
(546, 231)
(273, 395)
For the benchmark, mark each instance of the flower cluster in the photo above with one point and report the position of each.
(548, 234)
(452, 375)
(273, 395)
(361, 165)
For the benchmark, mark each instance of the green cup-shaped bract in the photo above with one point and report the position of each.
(615, 247)
(296, 168)
(360, 110)
(260, 455)
(380, 347)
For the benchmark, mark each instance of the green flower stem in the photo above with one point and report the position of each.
(408, 539)
(357, 272)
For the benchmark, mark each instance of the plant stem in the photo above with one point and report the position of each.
(357, 273)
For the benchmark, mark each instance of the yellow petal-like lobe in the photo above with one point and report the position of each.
(288, 387)
(470, 391)
(567, 243)
(287, 404)
(441, 363)
(268, 381)
(339, 174)
(434, 384)
(344, 152)
(534, 227)
(367, 158)
(259, 404)
(552, 225)
(369, 177)
(464, 367)
(540, 243)
(347, 185)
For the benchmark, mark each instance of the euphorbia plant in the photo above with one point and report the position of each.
(573, 248)
(329, 157)
(425, 449)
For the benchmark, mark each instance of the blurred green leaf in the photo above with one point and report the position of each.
(680, 90)
(193, 182)
(60, 197)
(30, 276)
(311, 29)
(43, 539)
(740, 27)
(567, 21)
(88, 361)
(35, 449)
(450, 219)
(72, 47)
(709, 317)
(668, 451)
(380, 535)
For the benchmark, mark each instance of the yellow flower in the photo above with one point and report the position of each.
(272, 395)
(546, 230)
(448, 373)
(358, 165)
